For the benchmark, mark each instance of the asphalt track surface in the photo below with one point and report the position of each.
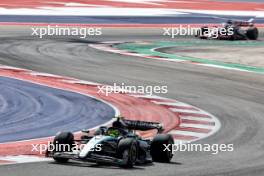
(27, 110)
(236, 98)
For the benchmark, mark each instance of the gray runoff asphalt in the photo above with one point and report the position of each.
(236, 98)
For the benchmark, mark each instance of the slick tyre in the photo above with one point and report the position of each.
(127, 151)
(63, 142)
(252, 33)
(201, 33)
(158, 150)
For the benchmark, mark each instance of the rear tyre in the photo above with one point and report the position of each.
(204, 29)
(158, 150)
(63, 142)
(252, 33)
(201, 33)
(128, 151)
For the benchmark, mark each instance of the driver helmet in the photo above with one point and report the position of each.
(113, 133)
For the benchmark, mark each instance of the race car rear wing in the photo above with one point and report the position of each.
(143, 125)
(248, 23)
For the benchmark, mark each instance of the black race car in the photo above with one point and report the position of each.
(231, 30)
(118, 145)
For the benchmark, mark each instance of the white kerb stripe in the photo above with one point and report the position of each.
(196, 125)
(187, 133)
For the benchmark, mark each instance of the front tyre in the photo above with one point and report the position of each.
(158, 150)
(63, 142)
(128, 151)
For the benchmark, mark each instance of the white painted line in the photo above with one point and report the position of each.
(223, 67)
(149, 97)
(181, 141)
(185, 108)
(112, 42)
(187, 133)
(24, 159)
(44, 74)
(187, 111)
(81, 82)
(12, 68)
(134, 54)
(108, 48)
(196, 125)
(165, 59)
(197, 118)
(115, 51)
(100, 47)
(91, 11)
(173, 104)
(122, 51)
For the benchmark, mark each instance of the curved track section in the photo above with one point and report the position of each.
(27, 110)
(129, 105)
(163, 51)
(237, 98)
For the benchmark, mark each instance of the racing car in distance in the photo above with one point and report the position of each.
(231, 30)
(117, 145)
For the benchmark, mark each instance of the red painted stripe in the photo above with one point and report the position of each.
(157, 56)
(197, 122)
(193, 129)
(184, 137)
